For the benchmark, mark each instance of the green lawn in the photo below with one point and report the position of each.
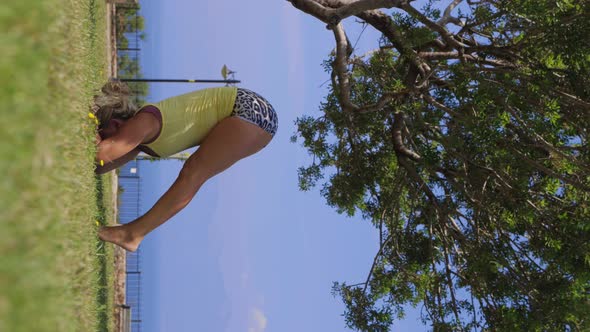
(54, 273)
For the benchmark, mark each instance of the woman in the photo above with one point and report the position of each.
(227, 123)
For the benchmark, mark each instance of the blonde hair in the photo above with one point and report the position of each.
(113, 102)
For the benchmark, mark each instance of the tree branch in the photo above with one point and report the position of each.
(447, 14)
(573, 99)
(385, 98)
(449, 281)
(375, 261)
(344, 9)
(539, 140)
(444, 33)
(340, 66)
(548, 171)
(398, 143)
(430, 100)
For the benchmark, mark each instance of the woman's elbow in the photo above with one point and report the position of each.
(100, 157)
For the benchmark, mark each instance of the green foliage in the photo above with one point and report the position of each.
(129, 67)
(128, 23)
(488, 228)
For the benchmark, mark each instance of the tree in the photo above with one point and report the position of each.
(130, 24)
(464, 139)
(128, 21)
(129, 67)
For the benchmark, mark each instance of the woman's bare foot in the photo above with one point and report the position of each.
(120, 236)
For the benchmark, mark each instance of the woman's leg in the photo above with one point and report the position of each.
(229, 141)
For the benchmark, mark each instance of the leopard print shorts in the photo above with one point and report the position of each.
(252, 107)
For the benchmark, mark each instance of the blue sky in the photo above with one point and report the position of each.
(251, 253)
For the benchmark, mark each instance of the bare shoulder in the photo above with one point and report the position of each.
(142, 125)
(146, 118)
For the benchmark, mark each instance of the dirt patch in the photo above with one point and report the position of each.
(111, 39)
(119, 255)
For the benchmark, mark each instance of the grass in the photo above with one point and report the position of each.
(54, 273)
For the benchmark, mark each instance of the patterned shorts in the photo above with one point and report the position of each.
(253, 108)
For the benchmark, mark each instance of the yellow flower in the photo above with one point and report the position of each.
(101, 162)
(91, 115)
(97, 223)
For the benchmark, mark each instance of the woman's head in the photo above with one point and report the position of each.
(112, 107)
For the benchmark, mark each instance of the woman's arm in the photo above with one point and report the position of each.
(130, 135)
(116, 163)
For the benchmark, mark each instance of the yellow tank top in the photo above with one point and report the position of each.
(188, 118)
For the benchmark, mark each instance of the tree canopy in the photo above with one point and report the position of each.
(129, 25)
(463, 138)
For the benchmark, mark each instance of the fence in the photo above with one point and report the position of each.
(125, 319)
(129, 209)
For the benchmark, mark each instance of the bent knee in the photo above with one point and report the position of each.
(193, 173)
